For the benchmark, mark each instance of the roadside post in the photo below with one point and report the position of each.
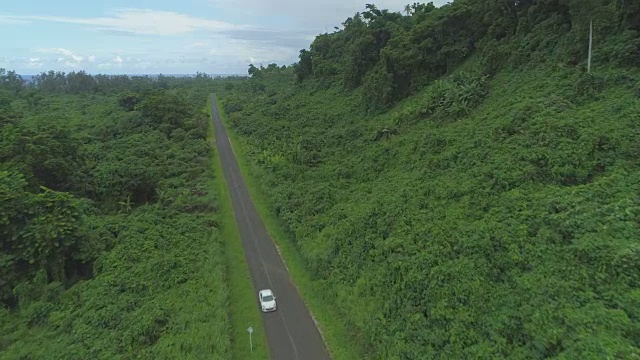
(250, 330)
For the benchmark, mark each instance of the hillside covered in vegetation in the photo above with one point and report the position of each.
(456, 182)
(108, 218)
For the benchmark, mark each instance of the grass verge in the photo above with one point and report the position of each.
(336, 335)
(242, 305)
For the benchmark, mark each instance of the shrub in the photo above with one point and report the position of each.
(457, 96)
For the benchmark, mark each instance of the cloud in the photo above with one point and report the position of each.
(291, 39)
(34, 63)
(199, 60)
(142, 22)
(207, 38)
(314, 14)
(248, 51)
(107, 65)
(142, 65)
(197, 44)
(69, 56)
(134, 22)
(11, 20)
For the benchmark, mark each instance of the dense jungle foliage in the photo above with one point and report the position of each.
(456, 182)
(108, 248)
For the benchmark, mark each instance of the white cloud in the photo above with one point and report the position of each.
(197, 44)
(224, 42)
(143, 22)
(315, 14)
(142, 65)
(11, 20)
(73, 56)
(68, 58)
(34, 63)
(253, 51)
(67, 55)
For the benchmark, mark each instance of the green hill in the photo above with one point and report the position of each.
(456, 182)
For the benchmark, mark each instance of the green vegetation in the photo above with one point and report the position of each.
(454, 183)
(108, 216)
(447, 183)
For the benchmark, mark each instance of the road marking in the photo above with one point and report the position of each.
(264, 268)
(231, 146)
(305, 305)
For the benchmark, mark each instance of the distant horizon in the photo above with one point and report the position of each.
(29, 77)
(135, 74)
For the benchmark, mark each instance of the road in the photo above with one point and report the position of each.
(291, 332)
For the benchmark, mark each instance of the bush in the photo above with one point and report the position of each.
(457, 96)
(378, 90)
(589, 86)
(232, 107)
(622, 50)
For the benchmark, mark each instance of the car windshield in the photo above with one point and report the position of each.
(267, 298)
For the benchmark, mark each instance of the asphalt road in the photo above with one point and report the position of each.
(291, 332)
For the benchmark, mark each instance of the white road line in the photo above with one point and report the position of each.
(244, 210)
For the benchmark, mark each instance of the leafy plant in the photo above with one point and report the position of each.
(455, 97)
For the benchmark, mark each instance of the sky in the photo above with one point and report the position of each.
(166, 36)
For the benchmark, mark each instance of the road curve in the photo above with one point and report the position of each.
(291, 332)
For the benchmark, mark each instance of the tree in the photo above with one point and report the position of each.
(11, 81)
(50, 155)
(167, 108)
(304, 67)
(128, 101)
(587, 13)
(80, 82)
(630, 11)
(38, 230)
(254, 71)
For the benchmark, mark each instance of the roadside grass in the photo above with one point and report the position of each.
(337, 337)
(243, 310)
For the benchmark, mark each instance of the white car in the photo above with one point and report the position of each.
(267, 300)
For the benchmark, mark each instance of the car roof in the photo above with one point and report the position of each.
(266, 292)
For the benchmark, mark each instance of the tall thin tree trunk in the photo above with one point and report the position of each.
(590, 45)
